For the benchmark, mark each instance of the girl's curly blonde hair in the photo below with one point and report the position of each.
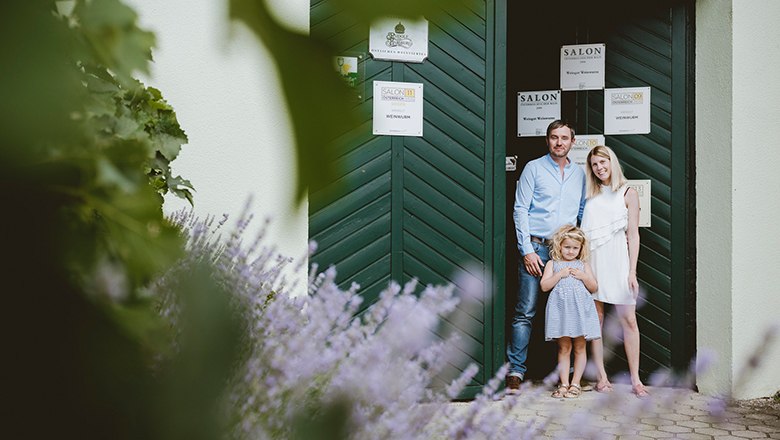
(571, 232)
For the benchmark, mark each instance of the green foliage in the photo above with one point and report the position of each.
(109, 30)
(78, 128)
(85, 153)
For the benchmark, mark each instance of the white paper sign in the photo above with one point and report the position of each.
(582, 66)
(583, 143)
(398, 108)
(535, 111)
(642, 188)
(347, 68)
(399, 40)
(627, 110)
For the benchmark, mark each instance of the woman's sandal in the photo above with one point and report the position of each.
(560, 392)
(640, 391)
(573, 391)
(604, 387)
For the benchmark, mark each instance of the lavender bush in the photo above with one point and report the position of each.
(313, 367)
(305, 355)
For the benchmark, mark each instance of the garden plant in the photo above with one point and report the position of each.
(124, 323)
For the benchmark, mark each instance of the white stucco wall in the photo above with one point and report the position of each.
(713, 191)
(225, 91)
(756, 189)
(738, 192)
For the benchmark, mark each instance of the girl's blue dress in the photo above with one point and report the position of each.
(571, 310)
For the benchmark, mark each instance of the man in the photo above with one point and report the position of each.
(550, 193)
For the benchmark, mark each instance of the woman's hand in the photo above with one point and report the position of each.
(633, 284)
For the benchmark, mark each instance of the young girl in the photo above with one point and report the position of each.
(571, 316)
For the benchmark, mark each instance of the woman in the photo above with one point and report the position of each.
(611, 223)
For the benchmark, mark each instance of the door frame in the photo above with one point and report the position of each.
(496, 137)
(684, 217)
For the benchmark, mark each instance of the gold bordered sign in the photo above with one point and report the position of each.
(583, 143)
(627, 110)
(398, 108)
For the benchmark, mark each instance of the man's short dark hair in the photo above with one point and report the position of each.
(558, 124)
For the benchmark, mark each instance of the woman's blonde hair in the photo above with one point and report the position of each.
(574, 233)
(616, 179)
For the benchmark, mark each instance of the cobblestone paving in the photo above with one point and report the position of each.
(668, 413)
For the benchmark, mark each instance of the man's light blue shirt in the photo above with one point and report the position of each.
(545, 201)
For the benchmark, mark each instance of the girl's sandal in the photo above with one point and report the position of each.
(574, 391)
(560, 392)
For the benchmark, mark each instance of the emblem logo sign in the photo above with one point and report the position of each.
(399, 40)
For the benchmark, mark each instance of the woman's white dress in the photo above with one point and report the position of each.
(604, 221)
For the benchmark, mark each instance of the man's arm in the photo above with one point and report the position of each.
(523, 196)
(582, 200)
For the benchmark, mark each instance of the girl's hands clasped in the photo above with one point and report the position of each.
(566, 271)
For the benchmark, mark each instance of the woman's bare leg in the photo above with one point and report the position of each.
(627, 316)
(597, 350)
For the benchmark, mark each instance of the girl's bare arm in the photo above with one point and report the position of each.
(589, 279)
(550, 279)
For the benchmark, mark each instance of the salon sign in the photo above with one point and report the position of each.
(535, 111)
(643, 187)
(582, 66)
(627, 110)
(583, 143)
(398, 109)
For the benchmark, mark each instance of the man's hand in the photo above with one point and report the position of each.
(533, 264)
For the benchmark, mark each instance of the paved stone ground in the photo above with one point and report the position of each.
(668, 413)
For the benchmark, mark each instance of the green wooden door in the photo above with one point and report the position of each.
(648, 44)
(655, 49)
(420, 207)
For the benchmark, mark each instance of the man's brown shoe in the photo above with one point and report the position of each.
(513, 385)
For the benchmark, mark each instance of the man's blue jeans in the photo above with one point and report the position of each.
(525, 310)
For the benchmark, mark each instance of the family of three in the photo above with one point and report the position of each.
(582, 267)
